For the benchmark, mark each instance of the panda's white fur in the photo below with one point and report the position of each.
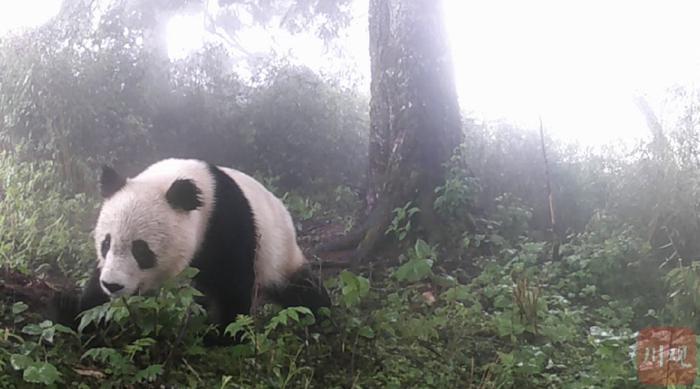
(278, 254)
(155, 222)
(179, 213)
(279, 238)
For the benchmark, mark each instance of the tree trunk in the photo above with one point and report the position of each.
(414, 115)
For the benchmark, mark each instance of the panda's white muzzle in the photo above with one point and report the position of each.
(115, 282)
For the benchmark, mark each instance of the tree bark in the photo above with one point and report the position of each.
(415, 124)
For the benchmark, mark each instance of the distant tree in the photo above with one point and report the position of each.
(659, 142)
(95, 85)
(415, 124)
(414, 113)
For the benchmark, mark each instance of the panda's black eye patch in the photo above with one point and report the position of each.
(143, 254)
(104, 247)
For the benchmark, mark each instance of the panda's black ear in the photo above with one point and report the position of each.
(110, 182)
(184, 195)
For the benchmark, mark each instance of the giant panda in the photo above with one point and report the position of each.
(185, 212)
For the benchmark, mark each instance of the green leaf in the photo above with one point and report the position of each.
(41, 373)
(242, 323)
(303, 310)
(189, 273)
(32, 329)
(506, 358)
(94, 315)
(353, 287)
(502, 302)
(64, 329)
(138, 346)
(294, 315)
(20, 362)
(414, 270)
(149, 374)
(48, 334)
(466, 242)
(423, 250)
(225, 380)
(347, 277)
(19, 307)
(457, 293)
(366, 332)
(102, 354)
(505, 325)
(283, 317)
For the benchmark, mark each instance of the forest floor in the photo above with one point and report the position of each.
(27, 288)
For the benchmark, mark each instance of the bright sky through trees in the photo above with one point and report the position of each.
(26, 13)
(577, 64)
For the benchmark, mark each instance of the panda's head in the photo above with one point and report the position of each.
(148, 229)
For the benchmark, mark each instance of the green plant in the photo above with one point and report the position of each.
(511, 217)
(401, 223)
(39, 221)
(353, 287)
(147, 332)
(419, 264)
(33, 349)
(301, 208)
(527, 300)
(457, 197)
(683, 284)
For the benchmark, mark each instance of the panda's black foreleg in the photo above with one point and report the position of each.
(92, 295)
(302, 289)
(224, 303)
(65, 307)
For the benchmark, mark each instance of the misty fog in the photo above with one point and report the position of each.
(343, 193)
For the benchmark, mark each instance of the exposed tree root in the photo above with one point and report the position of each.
(380, 219)
(345, 242)
(364, 235)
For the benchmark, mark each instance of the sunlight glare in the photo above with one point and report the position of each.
(15, 15)
(185, 34)
(577, 64)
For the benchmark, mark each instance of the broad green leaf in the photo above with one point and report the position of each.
(366, 332)
(414, 270)
(242, 323)
(19, 307)
(41, 373)
(149, 374)
(20, 362)
(423, 250)
(457, 293)
(32, 329)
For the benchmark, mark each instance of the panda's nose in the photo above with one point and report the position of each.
(111, 287)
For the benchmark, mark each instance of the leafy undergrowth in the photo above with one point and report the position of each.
(523, 321)
(494, 311)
